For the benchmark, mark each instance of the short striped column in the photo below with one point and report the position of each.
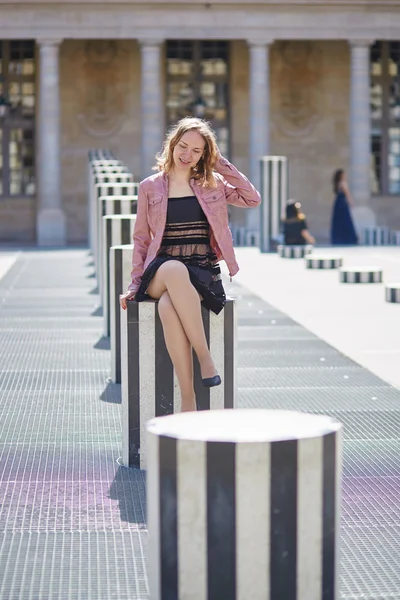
(395, 238)
(120, 278)
(149, 387)
(323, 262)
(376, 236)
(118, 185)
(392, 292)
(360, 275)
(244, 505)
(100, 154)
(110, 205)
(101, 174)
(274, 193)
(294, 251)
(117, 230)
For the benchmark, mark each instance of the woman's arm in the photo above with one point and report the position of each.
(141, 240)
(346, 192)
(238, 189)
(308, 237)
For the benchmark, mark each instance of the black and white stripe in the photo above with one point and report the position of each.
(323, 262)
(392, 292)
(294, 251)
(395, 238)
(105, 190)
(110, 205)
(244, 504)
(274, 192)
(117, 230)
(149, 387)
(100, 154)
(99, 175)
(376, 236)
(120, 278)
(360, 275)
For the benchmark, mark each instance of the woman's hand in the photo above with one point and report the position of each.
(124, 297)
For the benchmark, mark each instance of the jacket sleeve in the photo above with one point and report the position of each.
(141, 240)
(238, 189)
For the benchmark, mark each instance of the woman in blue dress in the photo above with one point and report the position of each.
(343, 232)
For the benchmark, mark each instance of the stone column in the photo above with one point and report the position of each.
(259, 116)
(152, 104)
(51, 230)
(360, 122)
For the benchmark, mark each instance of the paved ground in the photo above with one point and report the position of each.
(73, 523)
(355, 319)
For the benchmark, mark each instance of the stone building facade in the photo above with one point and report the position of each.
(317, 81)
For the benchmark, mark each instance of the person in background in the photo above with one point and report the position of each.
(343, 232)
(295, 229)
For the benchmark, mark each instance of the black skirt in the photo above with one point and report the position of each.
(203, 279)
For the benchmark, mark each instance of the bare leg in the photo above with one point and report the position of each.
(179, 349)
(173, 277)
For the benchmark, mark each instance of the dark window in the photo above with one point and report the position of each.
(17, 118)
(385, 115)
(198, 84)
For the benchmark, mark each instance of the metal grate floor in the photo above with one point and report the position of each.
(73, 522)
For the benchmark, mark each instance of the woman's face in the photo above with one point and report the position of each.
(343, 177)
(189, 150)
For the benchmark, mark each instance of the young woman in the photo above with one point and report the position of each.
(295, 226)
(181, 233)
(342, 227)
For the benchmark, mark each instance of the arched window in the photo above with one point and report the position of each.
(17, 118)
(385, 116)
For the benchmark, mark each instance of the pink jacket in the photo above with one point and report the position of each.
(232, 188)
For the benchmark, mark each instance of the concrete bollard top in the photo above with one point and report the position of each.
(243, 426)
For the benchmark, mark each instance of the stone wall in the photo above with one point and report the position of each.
(100, 99)
(310, 114)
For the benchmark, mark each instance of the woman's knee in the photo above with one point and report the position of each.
(165, 306)
(173, 269)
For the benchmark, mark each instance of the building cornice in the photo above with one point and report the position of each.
(116, 20)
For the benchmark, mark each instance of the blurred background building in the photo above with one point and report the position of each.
(317, 81)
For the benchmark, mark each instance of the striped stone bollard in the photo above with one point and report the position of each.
(111, 205)
(100, 174)
(395, 238)
(376, 236)
(118, 185)
(274, 192)
(100, 154)
(322, 261)
(392, 292)
(360, 275)
(149, 387)
(120, 278)
(244, 505)
(294, 251)
(117, 230)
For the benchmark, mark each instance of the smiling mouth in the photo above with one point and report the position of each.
(184, 162)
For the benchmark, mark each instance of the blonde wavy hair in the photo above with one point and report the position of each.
(203, 172)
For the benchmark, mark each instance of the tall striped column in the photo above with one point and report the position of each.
(149, 387)
(120, 278)
(244, 505)
(117, 230)
(274, 193)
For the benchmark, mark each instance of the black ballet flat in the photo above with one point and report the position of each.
(211, 381)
